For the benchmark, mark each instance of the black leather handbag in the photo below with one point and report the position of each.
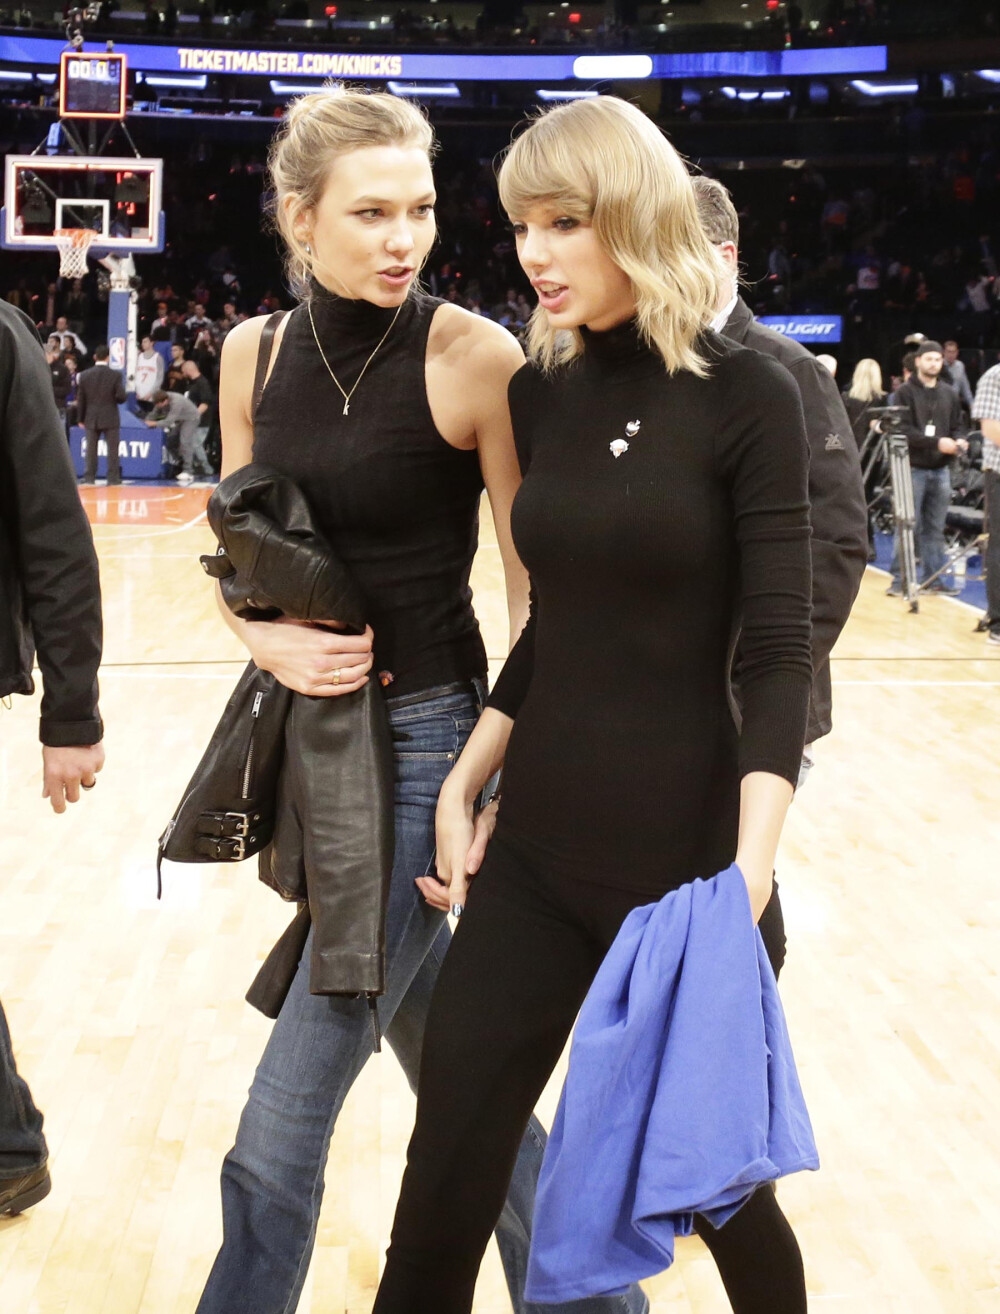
(227, 811)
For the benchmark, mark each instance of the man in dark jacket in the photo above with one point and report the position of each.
(836, 494)
(61, 382)
(935, 429)
(49, 598)
(100, 391)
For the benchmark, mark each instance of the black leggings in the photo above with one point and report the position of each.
(511, 985)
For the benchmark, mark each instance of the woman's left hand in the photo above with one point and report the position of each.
(459, 855)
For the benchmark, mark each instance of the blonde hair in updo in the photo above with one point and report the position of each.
(602, 161)
(316, 130)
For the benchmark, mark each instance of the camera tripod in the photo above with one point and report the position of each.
(889, 452)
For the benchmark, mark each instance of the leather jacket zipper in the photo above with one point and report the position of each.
(248, 764)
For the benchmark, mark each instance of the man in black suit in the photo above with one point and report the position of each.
(836, 494)
(100, 391)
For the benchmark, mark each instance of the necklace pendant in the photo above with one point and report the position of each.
(347, 406)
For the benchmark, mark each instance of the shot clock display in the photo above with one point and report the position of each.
(92, 86)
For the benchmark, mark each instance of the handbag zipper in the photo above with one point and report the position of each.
(248, 766)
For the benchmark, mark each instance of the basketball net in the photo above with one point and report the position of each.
(73, 244)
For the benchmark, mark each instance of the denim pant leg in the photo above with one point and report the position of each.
(931, 505)
(272, 1179)
(22, 1145)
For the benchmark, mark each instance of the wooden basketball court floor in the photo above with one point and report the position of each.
(129, 1022)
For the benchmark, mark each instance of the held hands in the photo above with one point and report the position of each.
(309, 659)
(65, 771)
(952, 446)
(461, 847)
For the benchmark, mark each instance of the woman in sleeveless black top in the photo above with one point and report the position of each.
(388, 408)
(664, 506)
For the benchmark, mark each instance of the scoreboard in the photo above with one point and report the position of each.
(92, 86)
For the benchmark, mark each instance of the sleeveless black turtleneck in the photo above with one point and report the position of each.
(624, 763)
(399, 505)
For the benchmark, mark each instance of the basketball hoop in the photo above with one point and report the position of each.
(73, 244)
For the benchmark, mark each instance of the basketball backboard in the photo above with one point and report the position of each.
(120, 199)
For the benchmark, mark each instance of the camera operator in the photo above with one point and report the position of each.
(935, 430)
(986, 409)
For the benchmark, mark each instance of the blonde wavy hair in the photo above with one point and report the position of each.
(866, 381)
(316, 129)
(602, 161)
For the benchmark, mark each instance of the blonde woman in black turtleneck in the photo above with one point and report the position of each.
(389, 409)
(663, 509)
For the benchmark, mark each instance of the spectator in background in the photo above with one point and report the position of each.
(61, 382)
(935, 429)
(77, 306)
(175, 381)
(202, 395)
(828, 362)
(160, 327)
(100, 391)
(954, 373)
(198, 321)
(149, 372)
(226, 321)
(205, 352)
(76, 342)
(864, 394)
(174, 409)
(986, 409)
(69, 341)
(51, 603)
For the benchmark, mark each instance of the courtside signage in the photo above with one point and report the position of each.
(290, 63)
(811, 329)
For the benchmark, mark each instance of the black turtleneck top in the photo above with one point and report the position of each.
(624, 763)
(398, 503)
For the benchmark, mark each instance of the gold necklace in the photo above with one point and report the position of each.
(348, 395)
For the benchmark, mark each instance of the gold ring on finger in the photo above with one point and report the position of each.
(336, 676)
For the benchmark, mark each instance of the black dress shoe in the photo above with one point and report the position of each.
(20, 1193)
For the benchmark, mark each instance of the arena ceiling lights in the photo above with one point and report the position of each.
(431, 91)
(885, 88)
(770, 94)
(543, 94)
(625, 68)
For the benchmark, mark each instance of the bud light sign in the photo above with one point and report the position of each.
(810, 329)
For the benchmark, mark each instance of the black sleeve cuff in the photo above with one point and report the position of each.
(70, 734)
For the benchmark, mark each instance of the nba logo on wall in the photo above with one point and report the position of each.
(116, 353)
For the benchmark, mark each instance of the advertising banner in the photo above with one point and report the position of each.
(813, 330)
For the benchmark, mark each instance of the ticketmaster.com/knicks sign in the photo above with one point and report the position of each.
(467, 67)
(812, 329)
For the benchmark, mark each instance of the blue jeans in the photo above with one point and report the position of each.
(272, 1179)
(931, 499)
(22, 1145)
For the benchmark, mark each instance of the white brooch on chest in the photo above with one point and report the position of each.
(619, 446)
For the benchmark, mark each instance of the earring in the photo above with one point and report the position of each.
(309, 249)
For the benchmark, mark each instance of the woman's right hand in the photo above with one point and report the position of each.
(310, 659)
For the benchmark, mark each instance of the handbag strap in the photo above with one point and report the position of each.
(264, 358)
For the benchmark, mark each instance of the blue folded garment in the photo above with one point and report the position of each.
(681, 1096)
